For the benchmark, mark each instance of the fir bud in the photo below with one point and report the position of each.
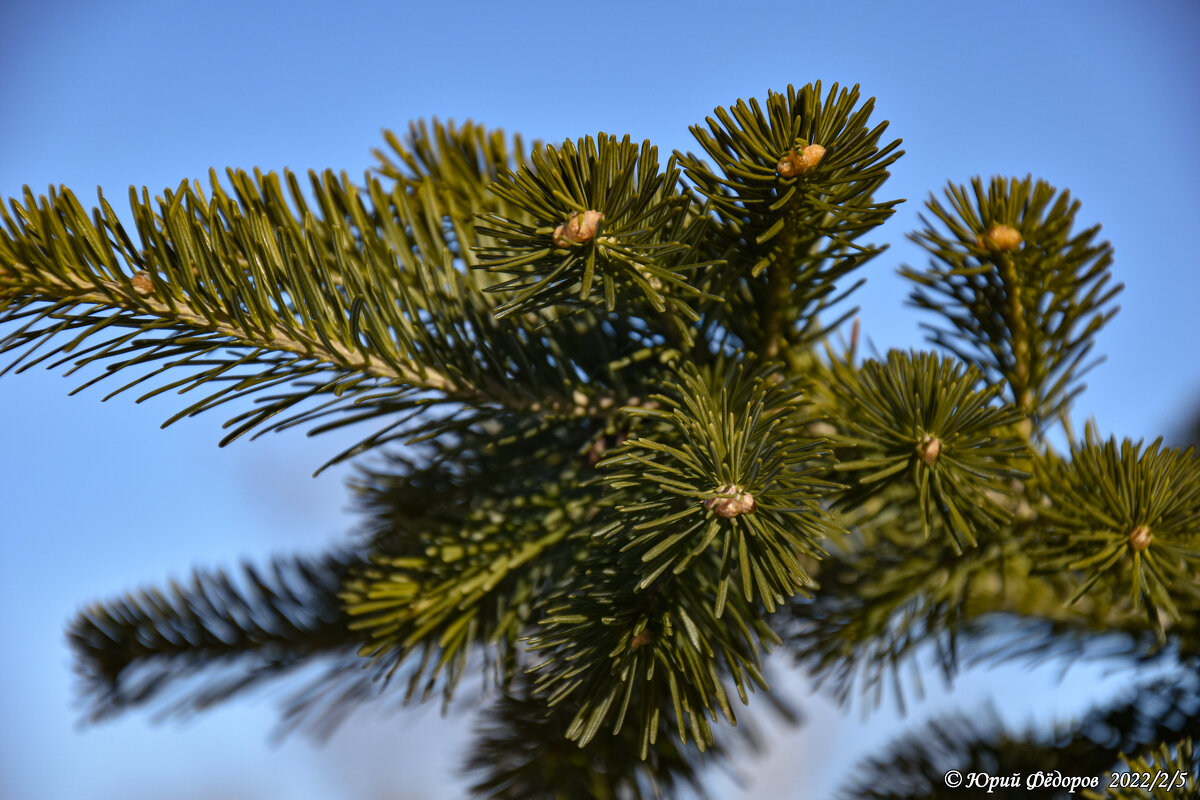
(142, 283)
(1139, 537)
(929, 449)
(604, 444)
(580, 227)
(731, 503)
(799, 162)
(641, 640)
(999, 237)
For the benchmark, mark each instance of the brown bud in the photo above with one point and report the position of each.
(797, 162)
(641, 640)
(1139, 537)
(999, 237)
(731, 502)
(602, 445)
(595, 452)
(142, 283)
(929, 449)
(580, 227)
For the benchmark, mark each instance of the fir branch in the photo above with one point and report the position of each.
(465, 545)
(362, 309)
(792, 188)
(1024, 296)
(890, 595)
(460, 160)
(768, 196)
(153, 646)
(929, 423)
(633, 531)
(653, 622)
(729, 468)
(211, 266)
(606, 221)
(1163, 712)
(877, 604)
(521, 753)
(1123, 515)
(1171, 771)
(623, 657)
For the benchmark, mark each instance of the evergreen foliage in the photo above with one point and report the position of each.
(618, 455)
(1127, 515)
(1023, 293)
(931, 424)
(915, 766)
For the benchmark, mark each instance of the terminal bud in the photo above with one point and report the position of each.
(999, 237)
(731, 502)
(797, 162)
(929, 449)
(1139, 538)
(580, 227)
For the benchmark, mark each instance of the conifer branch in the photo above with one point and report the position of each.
(64, 294)
(1023, 294)
(1124, 519)
(1155, 715)
(1170, 770)
(728, 468)
(793, 188)
(927, 423)
(892, 596)
(206, 641)
(249, 296)
(522, 751)
(628, 659)
(644, 473)
(463, 545)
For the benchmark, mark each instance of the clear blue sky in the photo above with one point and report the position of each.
(1099, 97)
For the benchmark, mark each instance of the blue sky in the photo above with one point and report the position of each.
(1098, 97)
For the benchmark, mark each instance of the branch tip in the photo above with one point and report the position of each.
(579, 228)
